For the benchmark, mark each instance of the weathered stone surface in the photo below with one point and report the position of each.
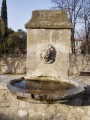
(47, 53)
(49, 19)
(60, 40)
(79, 63)
(51, 28)
(13, 109)
(13, 64)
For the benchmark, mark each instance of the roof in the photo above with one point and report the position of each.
(49, 19)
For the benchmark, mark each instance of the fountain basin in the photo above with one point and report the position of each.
(39, 90)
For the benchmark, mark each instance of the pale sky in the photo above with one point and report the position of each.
(19, 11)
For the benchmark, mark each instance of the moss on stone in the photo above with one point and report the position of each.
(49, 19)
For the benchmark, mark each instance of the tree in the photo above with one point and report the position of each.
(84, 49)
(73, 8)
(12, 42)
(10, 31)
(21, 33)
(85, 16)
(4, 16)
(22, 41)
(2, 32)
(16, 42)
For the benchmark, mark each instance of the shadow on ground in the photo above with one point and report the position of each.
(4, 117)
(81, 100)
(12, 117)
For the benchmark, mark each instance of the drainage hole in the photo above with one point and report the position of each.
(32, 95)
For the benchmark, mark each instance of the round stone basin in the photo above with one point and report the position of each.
(49, 91)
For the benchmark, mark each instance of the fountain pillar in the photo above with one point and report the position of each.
(48, 44)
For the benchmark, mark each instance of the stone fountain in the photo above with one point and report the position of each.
(48, 49)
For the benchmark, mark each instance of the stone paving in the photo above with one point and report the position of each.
(13, 109)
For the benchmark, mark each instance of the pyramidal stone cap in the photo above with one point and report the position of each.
(49, 19)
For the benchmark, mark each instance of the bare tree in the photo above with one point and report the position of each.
(73, 8)
(85, 16)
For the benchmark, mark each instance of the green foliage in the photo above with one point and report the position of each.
(9, 31)
(11, 42)
(2, 31)
(16, 42)
(2, 28)
(22, 41)
(4, 16)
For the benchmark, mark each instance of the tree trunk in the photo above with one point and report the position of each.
(72, 41)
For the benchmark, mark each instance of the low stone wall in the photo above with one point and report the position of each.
(13, 64)
(79, 63)
(17, 64)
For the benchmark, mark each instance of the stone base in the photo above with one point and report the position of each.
(14, 109)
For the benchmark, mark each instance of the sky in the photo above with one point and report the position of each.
(20, 11)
